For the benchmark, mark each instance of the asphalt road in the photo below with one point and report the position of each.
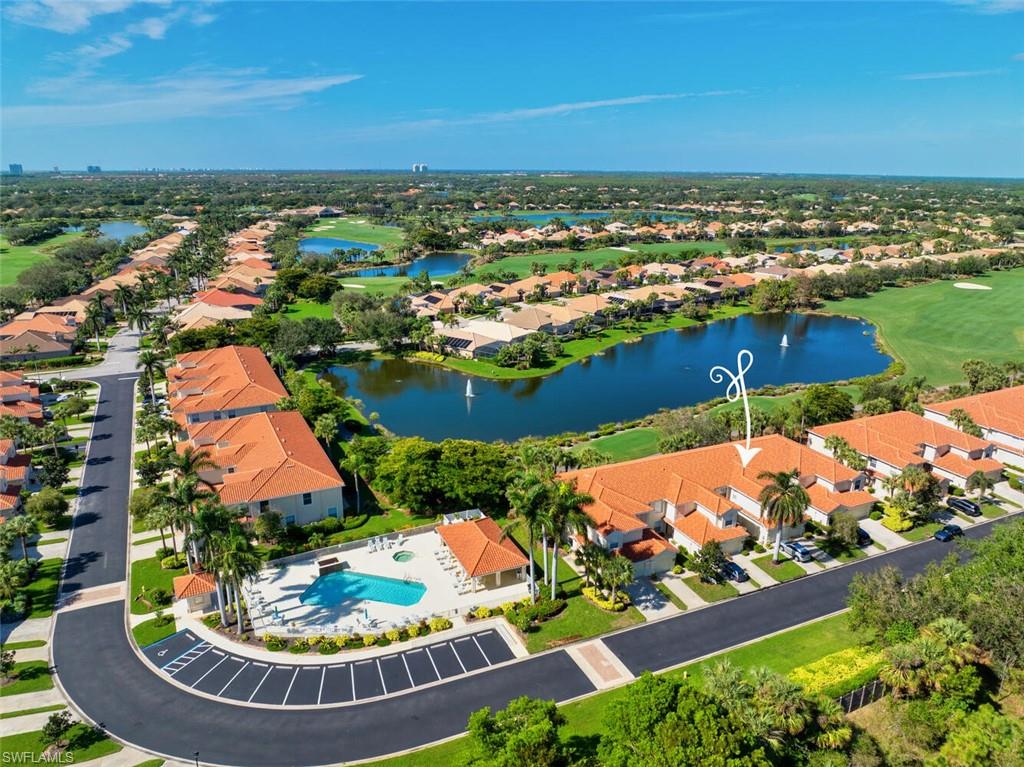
(111, 685)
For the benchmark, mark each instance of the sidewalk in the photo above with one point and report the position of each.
(686, 595)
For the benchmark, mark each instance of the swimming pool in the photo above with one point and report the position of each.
(348, 586)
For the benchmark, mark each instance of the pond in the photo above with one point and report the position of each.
(667, 369)
(328, 245)
(114, 230)
(436, 264)
(542, 219)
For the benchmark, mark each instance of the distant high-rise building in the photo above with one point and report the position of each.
(93, 169)
(16, 169)
(419, 167)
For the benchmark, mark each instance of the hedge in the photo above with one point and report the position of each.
(840, 672)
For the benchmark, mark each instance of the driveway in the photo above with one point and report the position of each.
(883, 534)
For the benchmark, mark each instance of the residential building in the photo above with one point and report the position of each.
(19, 398)
(222, 383)
(269, 460)
(1000, 414)
(645, 508)
(32, 345)
(15, 473)
(892, 442)
(484, 556)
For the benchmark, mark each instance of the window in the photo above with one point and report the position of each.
(307, 499)
(333, 511)
(264, 507)
(289, 520)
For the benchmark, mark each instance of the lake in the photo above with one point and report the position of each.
(541, 219)
(327, 245)
(436, 264)
(667, 369)
(114, 230)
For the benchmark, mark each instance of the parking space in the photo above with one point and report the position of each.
(197, 664)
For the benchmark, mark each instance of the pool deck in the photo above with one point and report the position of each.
(281, 589)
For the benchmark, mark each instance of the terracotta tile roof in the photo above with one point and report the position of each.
(650, 545)
(50, 324)
(194, 585)
(42, 342)
(270, 455)
(699, 528)
(1001, 410)
(222, 379)
(624, 490)
(218, 297)
(478, 546)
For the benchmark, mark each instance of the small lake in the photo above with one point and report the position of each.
(542, 219)
(436, 264)
(328, 245)
(667, 369)
(114, 230)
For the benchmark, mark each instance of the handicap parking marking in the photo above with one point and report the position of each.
(190, 660)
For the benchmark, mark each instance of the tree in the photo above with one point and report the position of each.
(408, 473)
(708, 561)
(325, 428)
(56, 728)
(6, 664)
(565, 509)
(268, 526)
(783, 502)
(985, 738)
(13, 577)
(844, 529)
(524, 733)
(963, 421)
(23, 527)
(473, 474)
(980, 482)
(48, 506)
(824, 403)
(526, 497)
(152, 365)
(617, 572)
(235, 562)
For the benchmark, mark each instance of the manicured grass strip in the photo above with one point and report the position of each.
(84, 743)
(28, 711)
(355, 229)
(43, 588)
(153, 630)
(50, 541)
(140, 526)
(991, 511)
(670, 595)
(151, 763)
(626, 445)
(711, 592)
(148, 573)
(786, 570)
(841, 553)
(28, 676)
(30, 644)
(585, 718)
(152, 539)
(922, 532)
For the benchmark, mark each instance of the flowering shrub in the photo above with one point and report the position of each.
(393, 635)
(369, 640)
(482, 612)
(839, 672)
(440, 624)
(414, 630)
(605, 603)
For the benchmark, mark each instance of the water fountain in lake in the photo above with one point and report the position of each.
(469, 388)
(785, 341)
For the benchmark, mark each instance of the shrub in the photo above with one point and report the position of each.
(369, 640)
(440, 624)
(212, 621)
(482, 612)
(839, 672)
(299, 646)
(521, 621)
(328, 646)
(164, 552)
(957, 491)
(875, 515)
(896, 524)
(158, 596)
(1015, 483)
(274, 643)
(508, 608)
(172, 562)
(677, 570)
(383, 641)
(414, 630)
(393, 635)
(605, 603)
(759, 549)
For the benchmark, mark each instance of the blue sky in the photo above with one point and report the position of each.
(826, 87)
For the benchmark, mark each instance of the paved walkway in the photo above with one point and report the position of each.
(755, 572)
(601, 666)
(688, 596)
(651, 603)
(883, 535)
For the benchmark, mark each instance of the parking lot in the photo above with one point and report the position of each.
(197, 664)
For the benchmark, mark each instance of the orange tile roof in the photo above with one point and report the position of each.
(222, 379)
(218, 297)
(699, 528)
(621, 491)
(51, 324)
(478, 546)
(194, 585)
(271, 455)
(1001, 410)
(650, 545)
(899, 440)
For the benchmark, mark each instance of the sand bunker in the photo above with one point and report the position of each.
(970, 286)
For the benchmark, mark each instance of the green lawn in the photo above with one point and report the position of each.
(387, 286)
(626, 445)
(711, 592)
(302, 309)
(148, 632)
(152, 539)
(29, 676)
(14, 259)
(786, 570)
(49, 541)
(366, 525)
(521, 265)
(771, 404)
(585, 718)
(151, 763)
(148, 573)
(578, 349)
(43, 588)
(37, 710)
(840, 552)
(923, 531)
(84, 743)
(355, 228)
(991, 511)
(914, 323)
(670, 595)
(30, 644)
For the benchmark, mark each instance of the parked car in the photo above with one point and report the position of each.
(948, 533)
(970, 508)
(733, 572)
(863, 537)
(797, 551)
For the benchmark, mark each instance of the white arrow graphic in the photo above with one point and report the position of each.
(738, 388)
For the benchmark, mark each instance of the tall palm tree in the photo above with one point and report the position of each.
(617, 572)
(356, 465)
(565, 508)
(981, 482)
(152, 364)
(189, 462)
(124, 297)
(236, 562)
(526, 497)
(326, 429)
(23, 526)
(892, 483)
(783, 502)
(138, 317)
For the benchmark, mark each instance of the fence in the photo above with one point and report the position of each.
(862, 696)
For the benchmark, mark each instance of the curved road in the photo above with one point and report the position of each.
(110, 684)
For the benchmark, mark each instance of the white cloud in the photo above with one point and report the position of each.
(1017, 57)
(992, 6)
(951, 75)
(186, 94)
(66, 16)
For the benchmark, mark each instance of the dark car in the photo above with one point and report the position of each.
(733, 572)
(863, 537)
(970, 508)
(797, 551)
(948, 533)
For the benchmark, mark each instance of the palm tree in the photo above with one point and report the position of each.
(834, 731)
(236, 562)
(124, 297)
(526, 499)
(963, 421)
(356, 465)
(23, 526)
(565, 509)
(892, 483)
(956, 638)
(280, 362)
(981, 482)
(189, 462)
(13, 577)
(783, 502)
(326, 429)
(617, 571)
(152, 364)
(138, 317)
(590, 556)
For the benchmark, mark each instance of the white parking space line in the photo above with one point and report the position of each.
(352, 674)
(215, 665)
(240, 670)
(269, 669)
(323, 675)
(289, 690)
(481, 649)
(407, 671)
(432, 662)
(381, 673)
(190, 660)
(452, 645)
